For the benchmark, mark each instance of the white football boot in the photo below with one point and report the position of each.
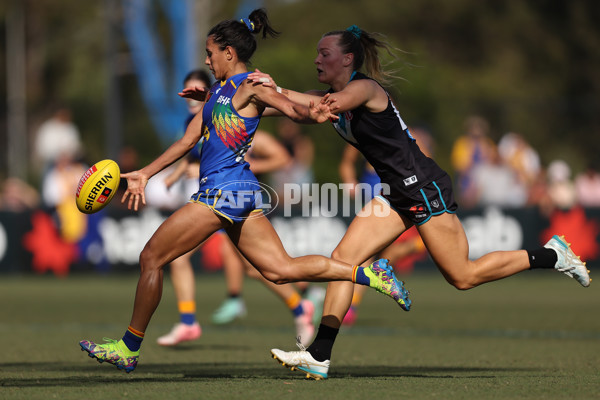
(302, 361)
(569, 263)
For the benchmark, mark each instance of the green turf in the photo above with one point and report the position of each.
(534, 336)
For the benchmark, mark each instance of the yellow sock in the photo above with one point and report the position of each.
(356, 299)
(293, 301)
(186, 307)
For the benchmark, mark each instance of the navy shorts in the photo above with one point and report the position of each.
(435, 198)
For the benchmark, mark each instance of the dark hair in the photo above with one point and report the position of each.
(198, 74)
(364, 47)
(240, 36)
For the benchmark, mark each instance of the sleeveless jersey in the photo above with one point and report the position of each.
(385, 141)
(226, 137)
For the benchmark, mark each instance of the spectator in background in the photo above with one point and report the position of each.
(56, 137)
(495, 183)
(58, 189)
(17, 196)
(469, 150)
(561, 188)
(520, 156)
(301, 150)
(587, 186)
(538, 193)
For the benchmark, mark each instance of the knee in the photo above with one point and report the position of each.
(147, 259)
(275, 277)
(340, 255)
(461, 282)
(278, 271)
(336, 254)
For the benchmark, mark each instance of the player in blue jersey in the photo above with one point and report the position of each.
(229, 195)
(265, 155)
(418, 192)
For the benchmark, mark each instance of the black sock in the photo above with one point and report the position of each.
(321, 347)
(542, 258)
(233, 295)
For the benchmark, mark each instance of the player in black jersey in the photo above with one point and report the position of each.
(228, 196)
(418, 192)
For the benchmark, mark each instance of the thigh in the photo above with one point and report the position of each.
(183, 231)
(259, 243)
(446, 241)
(372, 230)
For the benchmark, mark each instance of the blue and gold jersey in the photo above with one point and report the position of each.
(227, 186)
(226, 136)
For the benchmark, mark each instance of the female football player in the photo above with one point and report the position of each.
(229, 195)
(419, 191)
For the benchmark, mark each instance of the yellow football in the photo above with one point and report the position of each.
(97, 186)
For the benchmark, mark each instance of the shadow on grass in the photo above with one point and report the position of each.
(198, 346)
(77, 375)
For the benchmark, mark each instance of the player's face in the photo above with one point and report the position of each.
(194, 106)
(215, 59)
(330, 59)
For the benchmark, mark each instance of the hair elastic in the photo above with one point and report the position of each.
(248, 23)
(355, 30)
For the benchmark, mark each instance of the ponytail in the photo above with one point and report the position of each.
(240, 34)
(364, 46)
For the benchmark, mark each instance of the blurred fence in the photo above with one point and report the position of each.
(31, 242)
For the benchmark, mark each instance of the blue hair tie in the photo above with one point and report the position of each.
(355, 30)
(248, 23)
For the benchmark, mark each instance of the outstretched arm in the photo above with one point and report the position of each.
(137, 180)
(363, 92)
(195, 93)
(259, 77)
(317, 110)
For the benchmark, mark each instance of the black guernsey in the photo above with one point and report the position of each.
(385, 141)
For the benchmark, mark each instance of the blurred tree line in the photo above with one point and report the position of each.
(528, 67)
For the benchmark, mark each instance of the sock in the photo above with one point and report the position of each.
(294, 303)
(320, 349)
(542, 258)
(356, 299)
(233, 295)
(133, 339)
(358, 276)
(187, 312)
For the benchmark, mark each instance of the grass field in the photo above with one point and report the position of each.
(534, 336)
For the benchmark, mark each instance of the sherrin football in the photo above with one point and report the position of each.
(97, 186)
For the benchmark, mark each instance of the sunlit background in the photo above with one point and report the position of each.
(112, 70)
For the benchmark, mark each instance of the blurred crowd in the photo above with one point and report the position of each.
(507, 173)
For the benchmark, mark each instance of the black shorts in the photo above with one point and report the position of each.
(435, 198)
